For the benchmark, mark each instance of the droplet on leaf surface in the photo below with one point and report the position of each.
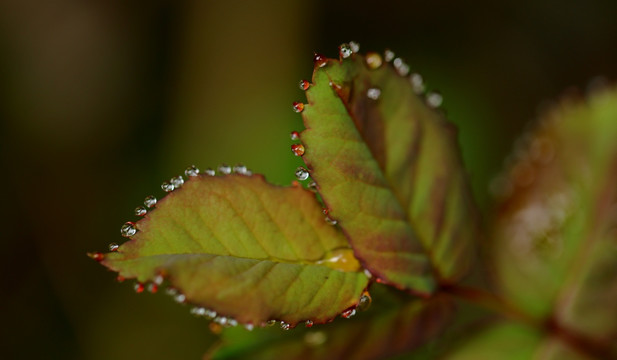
(177, 182)
(294, 135)
(302, 174)
(319, 60)
(373, 60)
(167, 186)
(225, 169)
(113, 247)
(298, 106)
(345, 51)
(304, 84)
(297, 149)
(141, 211)
(373, 93)
(128, 229)
(150, 201)
(191, 171)
(434, 99)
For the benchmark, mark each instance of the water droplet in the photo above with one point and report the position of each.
(120, 278)
(294, 135)
(139, 288)
(297, 149)
(210, 172)
(271, 322)
(373, 60)
(315, 338)
(312, 186)
(141, 210)
(167, 186)
(330, 220)
(97, 256)
(225, 169)
(344, 51)
(349, 313)
(153, 288)
(298, 106)
(180, 298)
(302, 174)
(150, 201)
(128, 229)
(249, 326)
(304, 84)
(240, 169)
(401, 67)
(434, 99)
(325, 211)
(319, 60)
(388, 55)
(177, 181)
(198, 311)
(355, 47)
(373, 93)
(417, 83)
(210, 314)
(308, 323)
(341, 259)
(365, 301)
(171, 291)
(158, 279)
(368, 273)
(285, 326)
(113, 247)
(232, 322)
(222, 320)
(191, 171)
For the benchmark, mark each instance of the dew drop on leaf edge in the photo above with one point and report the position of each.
(297, 149)
(298, 106)
(150, 201)
(167, 186)
(345, 51)
(373, 60)
(191, 171)
(128, 229)
(302, 174)
(141, 210)
(177, 181)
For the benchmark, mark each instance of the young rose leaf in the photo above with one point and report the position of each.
(246, 249)
(555, 248)
(394, 329)
(389, 169)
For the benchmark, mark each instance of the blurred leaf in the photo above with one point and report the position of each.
(399, 326)
(509, 341)
(389, 170)
(245, 249)
(555, 248)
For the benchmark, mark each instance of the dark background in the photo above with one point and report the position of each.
(101, 101)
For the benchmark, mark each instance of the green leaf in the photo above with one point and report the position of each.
(396, 327)
(391, 174)
(555, 248)
(509, 341)
(246, 249)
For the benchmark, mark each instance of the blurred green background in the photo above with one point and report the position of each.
(101, 101)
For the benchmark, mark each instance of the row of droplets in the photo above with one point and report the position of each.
(226, 321)
(373, 61)
(129, 228)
